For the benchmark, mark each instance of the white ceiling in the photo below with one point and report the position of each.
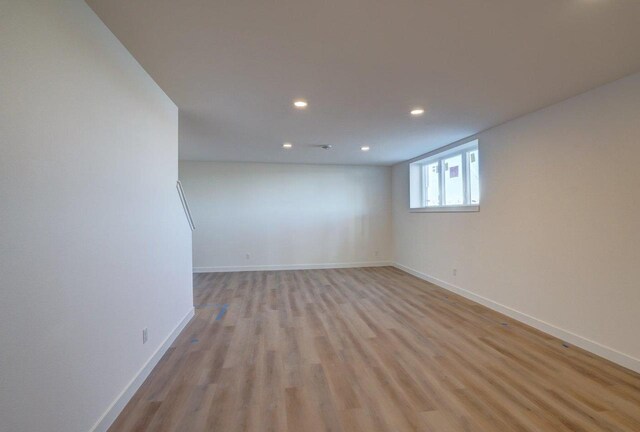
(234, 66)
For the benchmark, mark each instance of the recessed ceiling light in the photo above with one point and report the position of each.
(300, 103)
(287, 145)
(417, 112)
(364, 148)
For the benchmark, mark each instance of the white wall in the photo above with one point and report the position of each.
(287, 215)
(94, 244)
(559, 227)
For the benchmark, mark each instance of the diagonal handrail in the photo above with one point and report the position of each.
(185, 205)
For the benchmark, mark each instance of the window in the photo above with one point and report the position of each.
(447, 181)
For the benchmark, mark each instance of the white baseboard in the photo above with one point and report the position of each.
(572, 338)
(123, 398)
(291, 267)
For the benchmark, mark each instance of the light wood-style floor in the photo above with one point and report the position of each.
(370, 350)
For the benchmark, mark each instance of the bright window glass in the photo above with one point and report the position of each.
(433, 184)
(453, 184)
(449, 179)
(474, 177)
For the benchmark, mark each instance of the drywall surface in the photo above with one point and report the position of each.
(286, 215)
(94, 245)
(558, 230)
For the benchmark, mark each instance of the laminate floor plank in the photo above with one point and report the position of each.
(369, 349)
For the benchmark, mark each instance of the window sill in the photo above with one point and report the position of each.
(446, 209)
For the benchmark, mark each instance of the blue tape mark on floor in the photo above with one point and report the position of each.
(194, 340)
(222, 311)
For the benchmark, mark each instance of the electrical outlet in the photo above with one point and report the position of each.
(248, 256)
(377, 253)
(455, 272)
(145, 335)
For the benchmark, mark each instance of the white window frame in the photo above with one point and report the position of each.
(418, 179)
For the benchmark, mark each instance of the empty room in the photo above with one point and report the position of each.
(314, 216)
